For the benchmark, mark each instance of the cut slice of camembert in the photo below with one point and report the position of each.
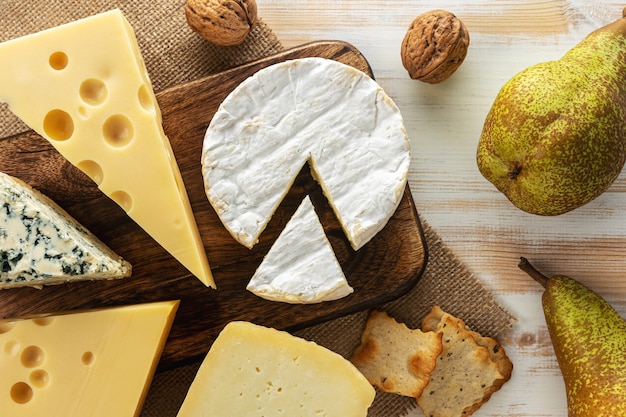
(84, 87)
(301, 266)
(256, 371)
(41, 244)
(310, 109)
(93, 363)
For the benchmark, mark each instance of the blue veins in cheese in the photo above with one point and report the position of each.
(41, 244)
(84, 87)
(300, 267)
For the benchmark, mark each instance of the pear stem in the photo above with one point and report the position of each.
(525, 266)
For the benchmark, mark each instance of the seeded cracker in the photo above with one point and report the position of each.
(395, 358)
(470, 368)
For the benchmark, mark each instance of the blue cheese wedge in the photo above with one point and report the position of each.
(312, 110)
(41, 244)
(300, 267)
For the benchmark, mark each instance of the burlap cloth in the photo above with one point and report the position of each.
(173, 55)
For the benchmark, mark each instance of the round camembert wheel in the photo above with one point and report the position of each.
(310, 109)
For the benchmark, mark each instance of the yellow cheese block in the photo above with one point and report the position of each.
(85, 88)
(95, 363)
(255, 371)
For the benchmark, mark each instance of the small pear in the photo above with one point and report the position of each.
(589, 339)
(555, 136)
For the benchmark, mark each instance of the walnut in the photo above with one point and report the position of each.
(222, 22)
(434, 46)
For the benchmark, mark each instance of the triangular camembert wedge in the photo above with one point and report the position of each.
(84, 87)
(93, 363)
(41, 244)
(300, 267)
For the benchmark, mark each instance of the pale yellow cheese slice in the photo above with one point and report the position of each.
(255, 371)
(85, 88)
(95, 363)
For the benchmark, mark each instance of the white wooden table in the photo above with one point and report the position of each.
(444, 122)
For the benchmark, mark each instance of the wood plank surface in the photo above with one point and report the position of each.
(385, 268)
(444, 122)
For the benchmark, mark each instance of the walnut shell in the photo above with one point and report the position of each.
(434, 46)
(222, 22)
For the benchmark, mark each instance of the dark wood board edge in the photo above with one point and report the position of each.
(167, 363)
(78, 194)
(349, 55)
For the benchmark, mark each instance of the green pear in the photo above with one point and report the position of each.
(589, 339)
(555, 136)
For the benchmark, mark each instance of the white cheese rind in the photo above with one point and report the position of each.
(310, 109)
(300, 267)
(41, 244)
(255, 371)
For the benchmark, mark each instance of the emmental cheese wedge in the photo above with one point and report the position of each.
(300, 267)
(84, 87)
(313, 110)
(41, 244)
(256, 371)
(93, 363)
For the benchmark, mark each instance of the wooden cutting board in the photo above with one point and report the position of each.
(384, 269)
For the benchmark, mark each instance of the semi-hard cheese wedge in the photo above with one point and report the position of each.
(84, 87)
(256, 371)
(310, 109)
(94, 363)
(301, 266)
(41, 244)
